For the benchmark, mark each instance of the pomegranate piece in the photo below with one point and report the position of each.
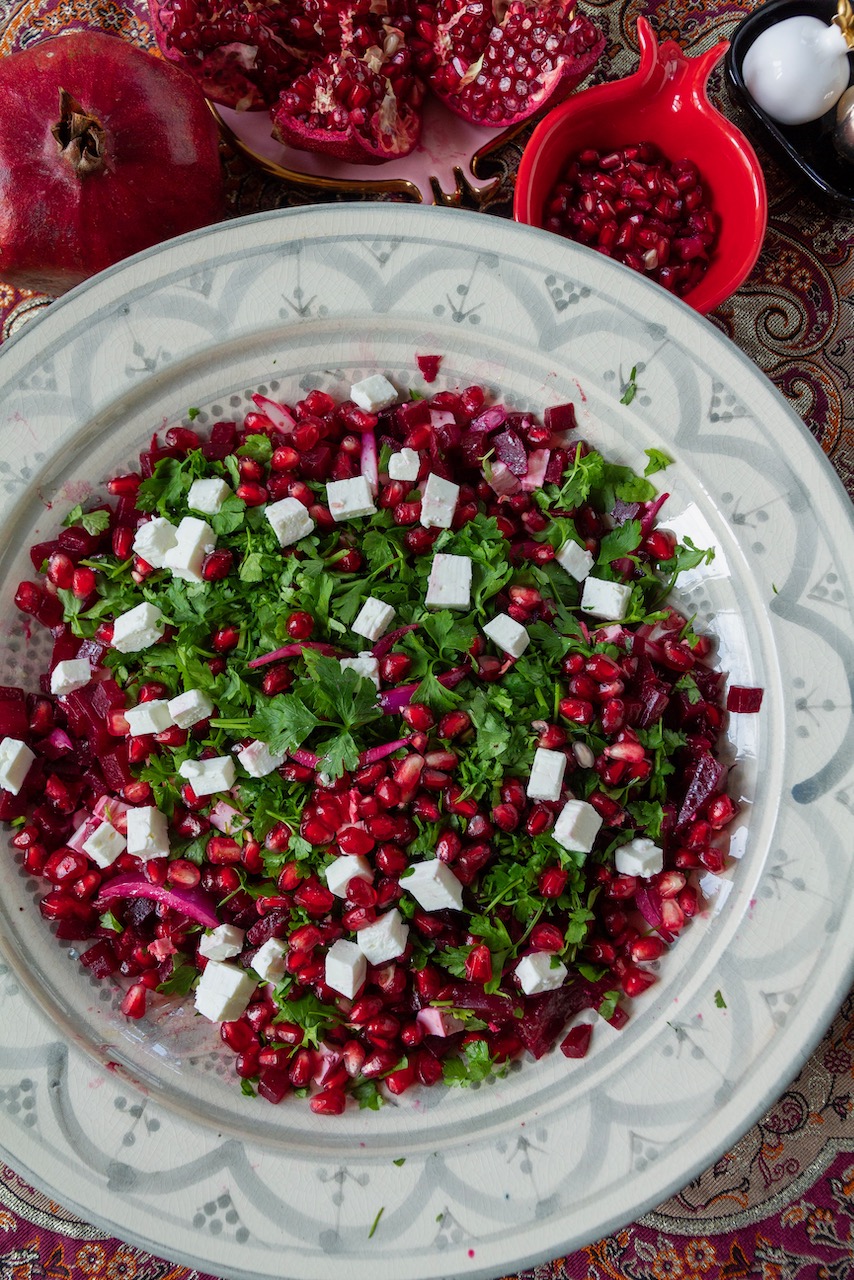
(362, 111)
(129, 134)
(497, 72)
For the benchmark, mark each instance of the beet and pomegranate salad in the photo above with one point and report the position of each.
(369, 724)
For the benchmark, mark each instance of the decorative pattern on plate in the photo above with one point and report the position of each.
(552, 1156)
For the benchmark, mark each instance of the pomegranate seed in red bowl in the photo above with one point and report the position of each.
(647, 172)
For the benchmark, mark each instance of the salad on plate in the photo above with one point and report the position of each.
(370, 728)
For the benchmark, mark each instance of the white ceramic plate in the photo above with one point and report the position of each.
(141, 1127)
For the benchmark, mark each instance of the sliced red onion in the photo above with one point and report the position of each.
(441, 418)
(277, 413)
(387, 642)
(490, 420)
(293, 651)
(502, 480)
(538, 462)
(651, 511)
(373, 754)
(193, 903)
(393, 701)
(369, 464)
(306, 758)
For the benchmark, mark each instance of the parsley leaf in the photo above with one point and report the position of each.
(620, 542)
(720, 1003)
(658, 460)
(631, 388)
(283, 722)
(181, 980)
(475, 1066)
(93, 522)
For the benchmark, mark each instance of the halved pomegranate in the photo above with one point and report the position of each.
(497, 64)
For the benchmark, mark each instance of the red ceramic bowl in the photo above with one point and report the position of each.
(664, 102)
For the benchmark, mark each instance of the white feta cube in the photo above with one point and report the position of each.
(374, 393)
(289, 520)
(222, 943)
(346, 968)
(258, 760)
(373, 619)
(449, 584)
(340, 871)
(207, 496)
(539, 972)
(508, 634)
(603, 599)
(104, 845)
(434, 886)
(224, 991)
(15, 761)
(187, 709)
(438, 502)
(148, 717)
(207, 777)
(640, 857)
(147, 833)
(404, 465)
(575, 560)
(139, 628)
(385, 939)
(577, 826)
(365, 665)
(547, 773)
(153, 540)
(348, 499)
(269, 960)
(69, 675)
(194, 538)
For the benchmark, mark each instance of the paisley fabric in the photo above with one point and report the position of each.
(780, 1204)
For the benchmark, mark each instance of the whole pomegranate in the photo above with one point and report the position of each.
(104, 150)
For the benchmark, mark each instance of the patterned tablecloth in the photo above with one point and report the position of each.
(780, 1204)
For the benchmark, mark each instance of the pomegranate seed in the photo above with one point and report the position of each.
(552, 882)
(479, 964)
(419, 716)
(353, 840)
(395, 667)
(225, 639)
(217, 565)
(83, 582)
(314, 897)
(299, 625)
(506, 817)
(720, 811)
(133, 1005)
(547, 937)
(645, 949)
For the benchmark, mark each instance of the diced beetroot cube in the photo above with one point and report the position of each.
(77, 543)
(577, 1041)
(474, 449)
(223, 439)
(12, 807)
(446, 432)
(106, 695)
(93, 650)
(149, 460)
(273, 1084)
(49, 612)
(65, 646)
(115, 767)
(41, 551)
(743, 700)
(654, 700)
(466, 995)
(55, 827)
(558, 463)
(560, 417)
(547, 1014)
(100, 959)
(14, 721)
(316, 463)
(623, 511)
(416, 413)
